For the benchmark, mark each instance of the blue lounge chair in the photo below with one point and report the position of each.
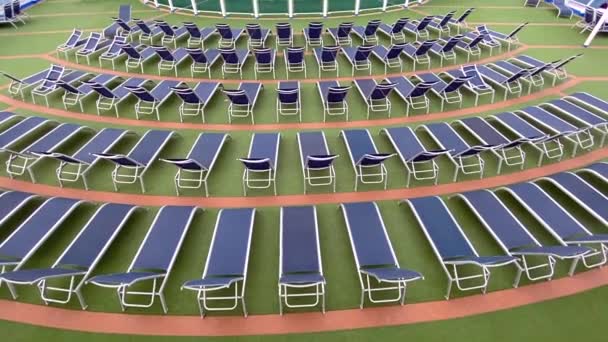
(452, 248)
(300, 264)
(446, 52)
(78, 260)
(261, 162)
(581, 192)
(194, 170)
(243, 100)
(419, 54)
(555, 125)
(148, 33)
(11, 202)
(20, 161)
(442, 25)
(375, 95)
(581, 116)
(202, 61)
(333, 98)
(228, 36)
(264, 61)
(327, 58)
(466, 158)
(475, 84)
(368, 33)
(49, 86)
(313, 34)
(113, 52)
(395, 31)
(257, 35)
(377, 265)
(419, 28)
(7, 117)
(194, 100)
(132, 167)
(284, 35)
(534, 76)
(94, 44)
(367, 162)
(418, 161)
(114, 29)
(390, 57)
(24, 241)
(506, 150)
(12, 136)
(171, 34)
(18, 86)
(154, 260)
(487, 40)
(589, 101)
(18, 12)
(76, 95)
(448, 92)
(111, 98)
(515, 240)
(8, 16)
(74, 40)
(289, 99)
(198, 36)
(121, 27)
(510, 85)
(341, 34)
(471, 46)
(149, 102)
(137, 56)
(73, 167)
(566, 229)
(169, 60)
(598, 169)
(510, 38)
(234, 60)
(294, 60)
(316, 160)
(563, 10)
(557, 69)
(460, 22)
(358, 57)
(413, 95)
(227, 262)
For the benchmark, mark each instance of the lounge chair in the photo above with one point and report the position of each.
(341, 34)
(367, 33)
(11, 202)
(234, 60)
(171, 34)
(413, 95)
(94, 44)
(154, 260)
(264, 61)
(202, 61)
(149, 102)
(194, 100)
(488, 41)
(76, 95)
(49, 85)
(442, 25)
(74, 40)
(390, 57)
(294, 60)
(77, 165)
(17, 132)
(316, 160)
(419, 53)
(475, 84)
(581, 116)
(137, 56)
(510, 85)
(261, 162)
(510, 38)
(113, 52)
(115, 29)
(333, 98)
(598, 169)
(557, 69)
(257, 35)
(198, 36)
(459, 22)
(228, 36)
(194, 170)
(367, 162)
(419, 161)
(284, 35)
(395, 31)
(18, 86)
(419, 28)
(111, 98)
(170, 60)
(533, 76)
(471, 46)
(133, 166)
(448, 92)
(300, 264)
(375, 95)
(453, 249)
(148, 33)
(446, 52)
(327, 58)
(313, 34)
(78, 260)
(227, 262)
(358, 57)
(377, 265)
(289, 99)
(563, 10)
(243, 100)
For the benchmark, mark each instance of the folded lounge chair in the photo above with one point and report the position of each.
(111, 98)
(375, 95)
(289, 99)
(341, 34)
(333, 98)
(149, 102)
(194, 100)
(515, 240)
(132, 167)
(154, 260)
(367, 33)
(261, 162)
(358, 57)
(377, 265)
(78, 260)
(76, 95)
(367, 162)
(24, 241)
(227, 262)
(418, 161)
(316, 160)
(194, 170)
(390, 57)
(452, 248)
(243, 100)
(300, 264)
(413, 95)
(73, 167)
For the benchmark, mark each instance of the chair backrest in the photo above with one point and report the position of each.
(424, 48)
(131, 51)
(344, 29)
(372, 27)
(363, 52)
(399, 25)
(263, 56)
(464, 15)
(8, 11)
(320, 162)
(143, 26)
(329, 53)
(424, 22)
(566, 61)
(93, 40)
(197, 55)
(337, 94)
(224, 31)
(473, 43)
(67, 87)
(254, 31)
(186, 94)
(55, 73)
(16, 7)
(164, 53)
(295, 55)
(257, 164)
(238, 97)
(516, 30)
(422, 88)
(229, 56)
(141, 93)
(315, 29)
(451, 43)
(395, 51)
(116, 45)
(456, 83)
(193, 29)
(166, 28)
(74, 37)
(483, 30)
(382, 90)
(124, 13)
(288, 95)
(446, 19)
(284, 30)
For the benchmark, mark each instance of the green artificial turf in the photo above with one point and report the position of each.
(53, 21)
